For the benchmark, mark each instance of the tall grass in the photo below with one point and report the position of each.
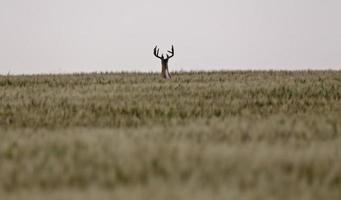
(203, 135)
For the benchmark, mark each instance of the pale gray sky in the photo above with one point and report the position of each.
(49, 36)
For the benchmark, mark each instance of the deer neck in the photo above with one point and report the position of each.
(165, 72)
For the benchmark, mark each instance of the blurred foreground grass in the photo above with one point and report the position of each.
(213, 135)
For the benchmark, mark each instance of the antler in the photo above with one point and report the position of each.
(156, 53)
(171, 52)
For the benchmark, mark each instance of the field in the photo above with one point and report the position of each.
(202, 135)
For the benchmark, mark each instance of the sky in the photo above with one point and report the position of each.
(65, 36)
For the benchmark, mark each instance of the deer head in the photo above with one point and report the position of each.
(164, 61)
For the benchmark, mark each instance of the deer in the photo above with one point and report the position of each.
(164, 61)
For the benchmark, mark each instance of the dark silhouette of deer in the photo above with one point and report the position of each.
(164, 62)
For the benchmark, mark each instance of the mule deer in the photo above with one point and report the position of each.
(164, 62)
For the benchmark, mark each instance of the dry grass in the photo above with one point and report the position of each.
(230, 135)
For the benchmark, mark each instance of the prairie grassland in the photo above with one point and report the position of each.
(202, 135)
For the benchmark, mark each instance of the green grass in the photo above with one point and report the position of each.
(201, 135)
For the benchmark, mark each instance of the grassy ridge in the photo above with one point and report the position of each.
(214, 135)
(124, 100)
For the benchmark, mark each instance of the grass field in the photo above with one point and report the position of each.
(201, 135)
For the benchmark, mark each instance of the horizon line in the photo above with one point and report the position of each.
(175, 71)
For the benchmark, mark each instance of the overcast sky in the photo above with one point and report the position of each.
(57, 36)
